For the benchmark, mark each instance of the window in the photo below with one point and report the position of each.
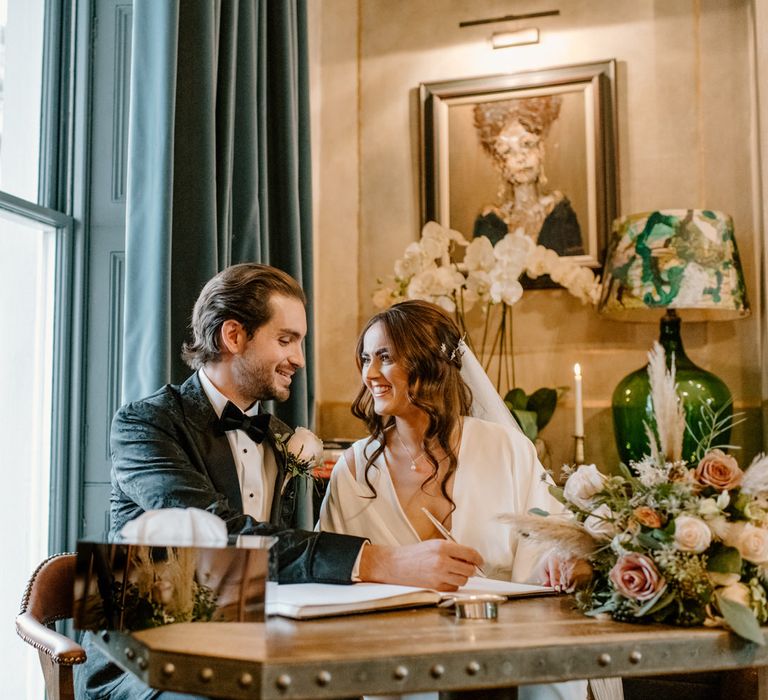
(26, 372)
(35, 265)
(21, 77)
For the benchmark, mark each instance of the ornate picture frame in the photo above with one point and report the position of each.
(490, 143)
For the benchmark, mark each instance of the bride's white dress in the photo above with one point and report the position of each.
(498, 472)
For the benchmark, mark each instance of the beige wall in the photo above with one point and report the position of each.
(687, 138)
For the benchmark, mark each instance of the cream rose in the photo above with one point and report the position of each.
(737, 593)
(306, 446)
(722, 579)
(718, 470)
(600, 523)
(636, 576)
(692, 534)
(582, 485)
(751, 541)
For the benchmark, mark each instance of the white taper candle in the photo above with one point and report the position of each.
(578, 401)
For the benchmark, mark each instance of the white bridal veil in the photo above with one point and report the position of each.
(486, 402)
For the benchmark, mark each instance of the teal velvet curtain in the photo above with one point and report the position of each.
(218, 169)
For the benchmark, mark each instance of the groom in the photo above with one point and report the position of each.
(204, 444)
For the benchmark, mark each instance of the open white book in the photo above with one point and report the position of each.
(305, 600)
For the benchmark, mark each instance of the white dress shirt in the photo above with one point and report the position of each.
(256, 467)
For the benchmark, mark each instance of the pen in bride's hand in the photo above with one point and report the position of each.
(445, 533)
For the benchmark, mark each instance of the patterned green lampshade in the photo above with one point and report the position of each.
(682, 260)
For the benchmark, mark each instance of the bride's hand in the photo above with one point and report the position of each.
(563, 573)
(438, 564)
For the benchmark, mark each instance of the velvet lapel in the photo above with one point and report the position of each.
(276, 426)
(214, 449)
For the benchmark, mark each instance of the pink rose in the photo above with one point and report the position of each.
(719, 470)
(636, 576)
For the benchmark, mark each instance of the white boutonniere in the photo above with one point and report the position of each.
(302, 452)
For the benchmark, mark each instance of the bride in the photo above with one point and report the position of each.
(427, 450)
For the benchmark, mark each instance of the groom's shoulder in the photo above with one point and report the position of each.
(167, 401)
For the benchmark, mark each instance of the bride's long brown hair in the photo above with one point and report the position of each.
(424, 341)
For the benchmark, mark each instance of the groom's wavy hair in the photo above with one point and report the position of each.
(242, 293)
(424, 341)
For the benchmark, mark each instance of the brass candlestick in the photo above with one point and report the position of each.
(578, 450)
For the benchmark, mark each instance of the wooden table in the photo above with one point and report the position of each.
(534, 640)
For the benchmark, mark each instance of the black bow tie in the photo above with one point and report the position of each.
(232, 418)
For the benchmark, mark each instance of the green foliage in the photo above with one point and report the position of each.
(557, 492)
(740, 619)
(534, 411)
(139, 611)
(724, 560)
(651, 540)
(711, 424)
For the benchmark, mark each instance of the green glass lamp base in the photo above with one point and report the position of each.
(632, 407)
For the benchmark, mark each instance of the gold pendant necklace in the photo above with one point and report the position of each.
(408, 452)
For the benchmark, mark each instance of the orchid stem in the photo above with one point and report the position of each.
(512, 346)
(488, 308)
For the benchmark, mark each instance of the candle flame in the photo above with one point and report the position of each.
(577, 370)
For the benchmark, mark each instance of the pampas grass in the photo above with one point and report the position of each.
(606, 688)
(568, 535)
(667, 409)
(755, 480)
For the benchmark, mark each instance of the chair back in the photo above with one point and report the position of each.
(48, 598)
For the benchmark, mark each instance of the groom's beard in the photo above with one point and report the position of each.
(258, 380)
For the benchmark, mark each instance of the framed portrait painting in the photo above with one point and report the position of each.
(534, 150)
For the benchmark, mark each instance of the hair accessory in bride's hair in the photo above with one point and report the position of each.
(454, 356)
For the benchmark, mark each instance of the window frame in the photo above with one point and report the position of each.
(62, 205)
(60, 491)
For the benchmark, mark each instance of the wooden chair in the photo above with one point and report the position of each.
(47, 598)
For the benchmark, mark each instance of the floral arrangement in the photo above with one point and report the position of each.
(302, 451)
(669, 541)
(488, 276)
(162, 590)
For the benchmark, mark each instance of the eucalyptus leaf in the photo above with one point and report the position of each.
(741, 620)
(646, 539)
(661, 604)
(538, 511)
(608, 606)
(651, 604)
(557, 493)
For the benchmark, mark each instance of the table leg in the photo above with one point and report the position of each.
(484, 694)
(744, 683)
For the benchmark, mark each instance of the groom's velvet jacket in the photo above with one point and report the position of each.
(167, 453)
